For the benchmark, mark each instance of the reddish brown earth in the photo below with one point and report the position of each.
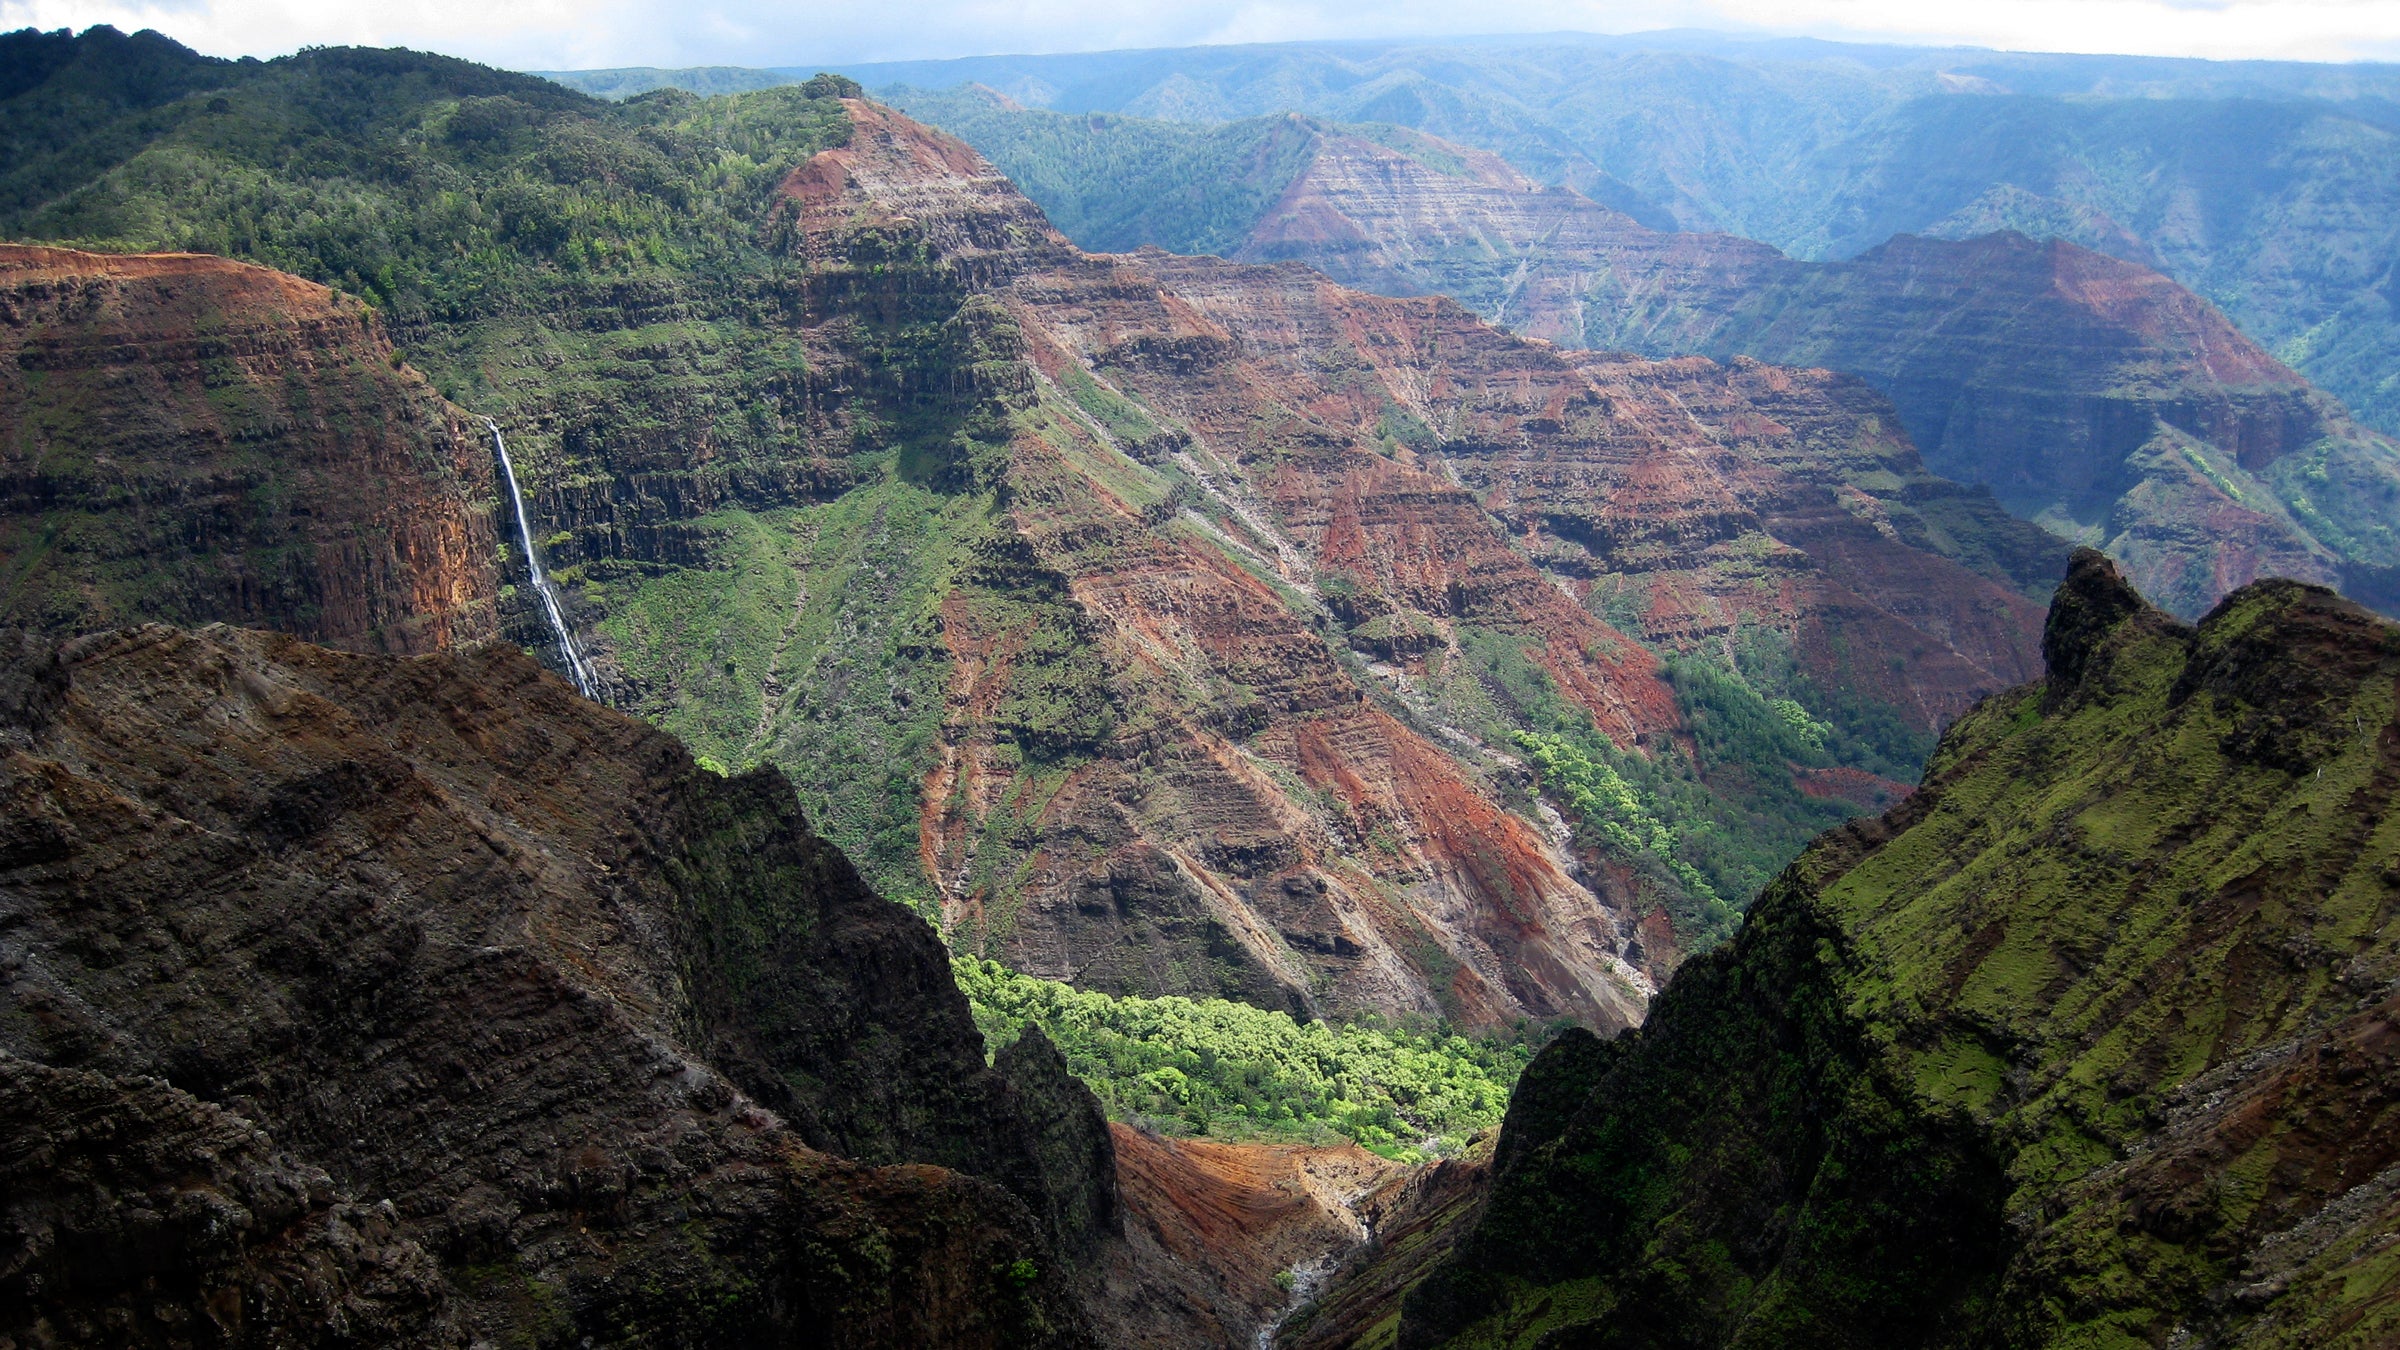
(2092, 394)
(193, 440)
(1211, 1225)
(1278, 506)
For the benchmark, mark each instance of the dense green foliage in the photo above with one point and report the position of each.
(1215, 1067)
(1709, 829)
(429, 186)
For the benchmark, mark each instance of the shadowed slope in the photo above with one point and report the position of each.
(483, 1002)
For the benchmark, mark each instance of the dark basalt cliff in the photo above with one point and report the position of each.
(191, 440)
(355, 999)
(2092, 1041)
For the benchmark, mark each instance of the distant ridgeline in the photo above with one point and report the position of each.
(2261, 185)
(2090, 393)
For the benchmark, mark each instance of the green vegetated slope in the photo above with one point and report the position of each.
(1210, 1066)
(1711, 821)
(2090, 1043)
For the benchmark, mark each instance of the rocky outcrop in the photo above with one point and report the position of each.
(192, 440)
(423, 1002)
(2092, 1037)
(1223, 1241)
(2091, 394)
(1412, 1228)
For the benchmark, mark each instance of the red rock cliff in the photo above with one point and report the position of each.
(193, 440)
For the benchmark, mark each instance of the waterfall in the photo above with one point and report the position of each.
(578, 669)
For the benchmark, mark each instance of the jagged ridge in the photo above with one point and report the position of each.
(2088, 1043)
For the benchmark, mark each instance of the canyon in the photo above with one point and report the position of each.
(1160, 624)
(2090, 393)
(1213, 465)
(2266, 187)
(1164, 625)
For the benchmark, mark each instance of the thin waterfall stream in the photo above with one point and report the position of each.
(578, 669)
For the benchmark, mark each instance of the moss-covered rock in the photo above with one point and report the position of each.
(2089, 1043)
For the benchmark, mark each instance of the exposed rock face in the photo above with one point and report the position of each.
(421, 1001)
(189, 440)
(1210, 1228)
(2092, 1038)
(1412, 1228)
(1215, 469)
(2089, 393)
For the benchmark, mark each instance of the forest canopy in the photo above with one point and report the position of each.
(1210, 1066)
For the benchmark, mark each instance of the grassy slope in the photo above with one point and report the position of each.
(1875, 1118)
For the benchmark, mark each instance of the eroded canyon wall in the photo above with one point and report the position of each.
(191, 440)
(2089, 393)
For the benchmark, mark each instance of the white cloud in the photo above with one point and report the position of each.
(568, 34)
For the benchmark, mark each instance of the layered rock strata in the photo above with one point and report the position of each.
(2089, 393)
(347, 998)
(191, 440)
(1149, 620)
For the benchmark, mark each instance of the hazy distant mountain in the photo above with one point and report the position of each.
(627, 81)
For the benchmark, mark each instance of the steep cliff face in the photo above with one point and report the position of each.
(2090, 1042)
(2091, 394)
(187, 439)
(423, 1002)
(1146, 727)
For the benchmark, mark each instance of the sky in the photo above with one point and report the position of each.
(584, 34)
